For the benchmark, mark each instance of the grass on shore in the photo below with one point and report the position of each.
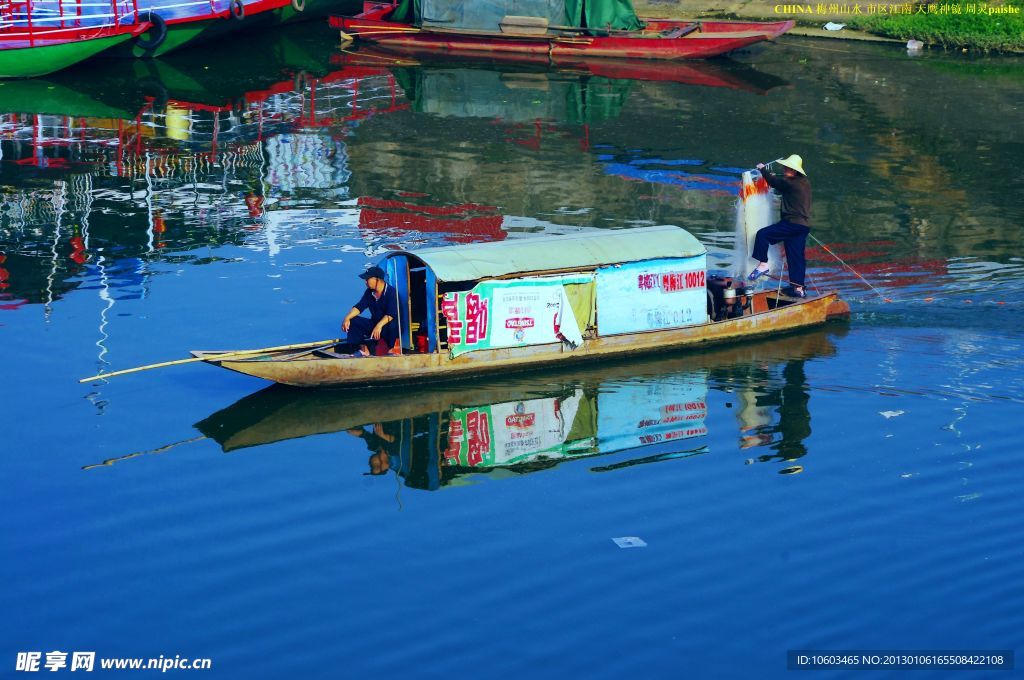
(986, 32)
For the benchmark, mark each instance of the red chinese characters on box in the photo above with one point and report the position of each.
(479, 436)
(675, 434)
(450, 309)
(476, 318)
(455, 434)
(688, 406)
(671, 282)
(646, 281)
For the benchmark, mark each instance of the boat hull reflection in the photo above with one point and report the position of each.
(723, 73)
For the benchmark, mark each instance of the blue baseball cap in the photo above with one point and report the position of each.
(372, 272)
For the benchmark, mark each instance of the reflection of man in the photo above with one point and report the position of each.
(382, 302)
(791, 404)
(379, 443)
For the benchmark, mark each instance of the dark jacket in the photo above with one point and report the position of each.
(796, 196)
(386, 304)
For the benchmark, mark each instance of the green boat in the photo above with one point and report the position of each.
(174, 26)
(24, 56)
(314, 10)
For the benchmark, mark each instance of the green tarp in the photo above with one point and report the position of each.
(487, 14)
(602, 14)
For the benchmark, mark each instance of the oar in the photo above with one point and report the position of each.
(349, 37)
(218, 357)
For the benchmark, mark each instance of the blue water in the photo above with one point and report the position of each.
(857, 487)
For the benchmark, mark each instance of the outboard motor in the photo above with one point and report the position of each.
(728, 299)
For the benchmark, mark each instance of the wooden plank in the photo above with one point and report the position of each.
(520, 25)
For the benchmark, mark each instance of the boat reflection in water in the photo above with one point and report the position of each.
(649, 410)
(723, 73)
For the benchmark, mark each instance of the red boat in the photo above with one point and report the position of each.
(571, 31)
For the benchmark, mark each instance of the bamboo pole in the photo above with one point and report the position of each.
(218, 357)
(390, 29)
(349, 37)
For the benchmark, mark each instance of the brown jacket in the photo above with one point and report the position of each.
(796, 196)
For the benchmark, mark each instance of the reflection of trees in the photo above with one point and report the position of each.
(888, 164)
(922, 155)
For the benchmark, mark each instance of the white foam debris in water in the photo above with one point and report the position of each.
(890, 414)
(630, 542)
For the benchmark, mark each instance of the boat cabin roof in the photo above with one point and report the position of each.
(571, 252)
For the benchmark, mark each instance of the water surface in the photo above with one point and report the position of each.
(850, 488)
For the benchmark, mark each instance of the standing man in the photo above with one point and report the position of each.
(792, 229)
(382, 302)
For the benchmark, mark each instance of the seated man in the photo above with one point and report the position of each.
(382, 301)
(792, 229)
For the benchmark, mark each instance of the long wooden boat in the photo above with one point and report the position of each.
(548, 301)
(656, 39)
(37, 39)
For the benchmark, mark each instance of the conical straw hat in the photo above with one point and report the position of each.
(794, 162)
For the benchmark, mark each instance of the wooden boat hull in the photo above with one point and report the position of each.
(709, 40)
(313, 371)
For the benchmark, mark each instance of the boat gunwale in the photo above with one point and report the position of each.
(701, 43)
(440, 367)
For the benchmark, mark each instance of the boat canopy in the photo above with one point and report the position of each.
(557, 253)
(487, 15)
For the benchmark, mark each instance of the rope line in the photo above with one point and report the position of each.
(842, 262)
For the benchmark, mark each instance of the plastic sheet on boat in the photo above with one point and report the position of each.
(486, 15)
(512, 313)
(651, 295)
